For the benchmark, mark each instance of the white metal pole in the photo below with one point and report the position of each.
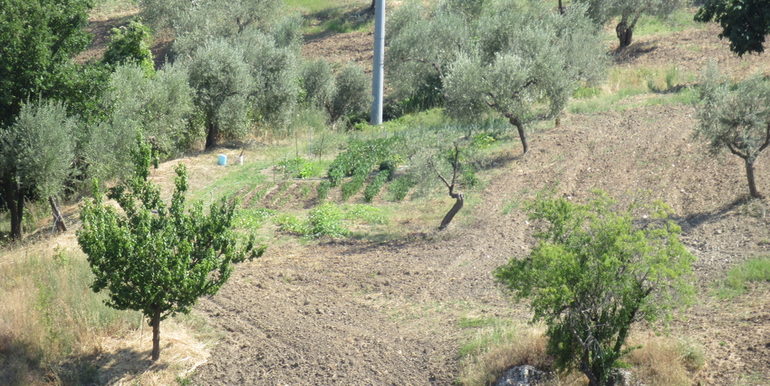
(378, 65)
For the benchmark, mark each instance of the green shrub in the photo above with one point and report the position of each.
(352, 95)
(362, 156)
(374, 187)
(400, 187)
(317, 83)
(366, 213)
(131, 44)
(291, 224)
(326, 220)
(299, 168)
(594, 272)
(350, 188)
(323, 190)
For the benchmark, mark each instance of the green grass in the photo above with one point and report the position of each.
(233, 179)
(738, 278)
(676, 22)
(487, 333)
(332, 16)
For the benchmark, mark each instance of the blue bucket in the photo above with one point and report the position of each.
(222, 160)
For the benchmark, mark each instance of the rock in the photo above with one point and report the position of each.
(523, 375)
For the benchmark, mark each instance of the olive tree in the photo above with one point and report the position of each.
(736, 118)
(746, 23)
(629, 12)
(423, 41)
(223, 85)
(527, 62)
(317, 82)
(157, 107)
(154, 257)
(352, 94)
(594, 272)
(36, 153)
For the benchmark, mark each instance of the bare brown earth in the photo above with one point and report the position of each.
(387, 313)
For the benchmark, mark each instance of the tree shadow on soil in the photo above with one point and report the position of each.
(695, 220)
(22, 364)
(634, 51)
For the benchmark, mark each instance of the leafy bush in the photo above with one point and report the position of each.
(323, 190)
(374, 187)
(159, 108)
(362, 156)
(298, 168)
(324, 220)
(131, 44)
(352, 95)
(401, 186)
(317, 83)
(593, 273)
(350, 188)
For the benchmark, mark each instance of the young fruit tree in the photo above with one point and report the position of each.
(594, 273)
(156, 258)
(36, 152)
(746, 23)
(629, 12)
(528, 62)
(737, 118)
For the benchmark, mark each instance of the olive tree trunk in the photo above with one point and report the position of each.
(459, 201)
(520, 128)
(211, 135)
(750, 176)
(15, 203)
(625, 32)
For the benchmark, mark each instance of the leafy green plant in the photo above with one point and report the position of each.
(400, 187)
(323, 190)
(131, 44)
(154, 258)
(373, 189)
(299, 168)
(594, 272)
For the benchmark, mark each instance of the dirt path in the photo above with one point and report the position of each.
(344, 312)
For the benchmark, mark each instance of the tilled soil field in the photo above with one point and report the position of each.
(367, 313)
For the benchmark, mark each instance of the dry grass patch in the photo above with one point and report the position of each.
(664, 360)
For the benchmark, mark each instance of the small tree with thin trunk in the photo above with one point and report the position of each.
(737, 118)
(594, 272)
(154, 258)
(627, 13)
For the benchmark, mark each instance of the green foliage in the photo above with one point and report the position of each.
(35, 156)
(423, 41)
(131, 44)
(324, 220)
(373, 189)
(317, 83)
(323, 190)
(525, 54)
(157, 107)
(38, 37)
(37, 149)
(736, 283)
(362, 156)
(157, 258)
(350, 188)
(745, 23)
(352, 95)
(223, 85)
(252, 218)
(299, 168)
(593, 273)
(401, 186)
(735, 117)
